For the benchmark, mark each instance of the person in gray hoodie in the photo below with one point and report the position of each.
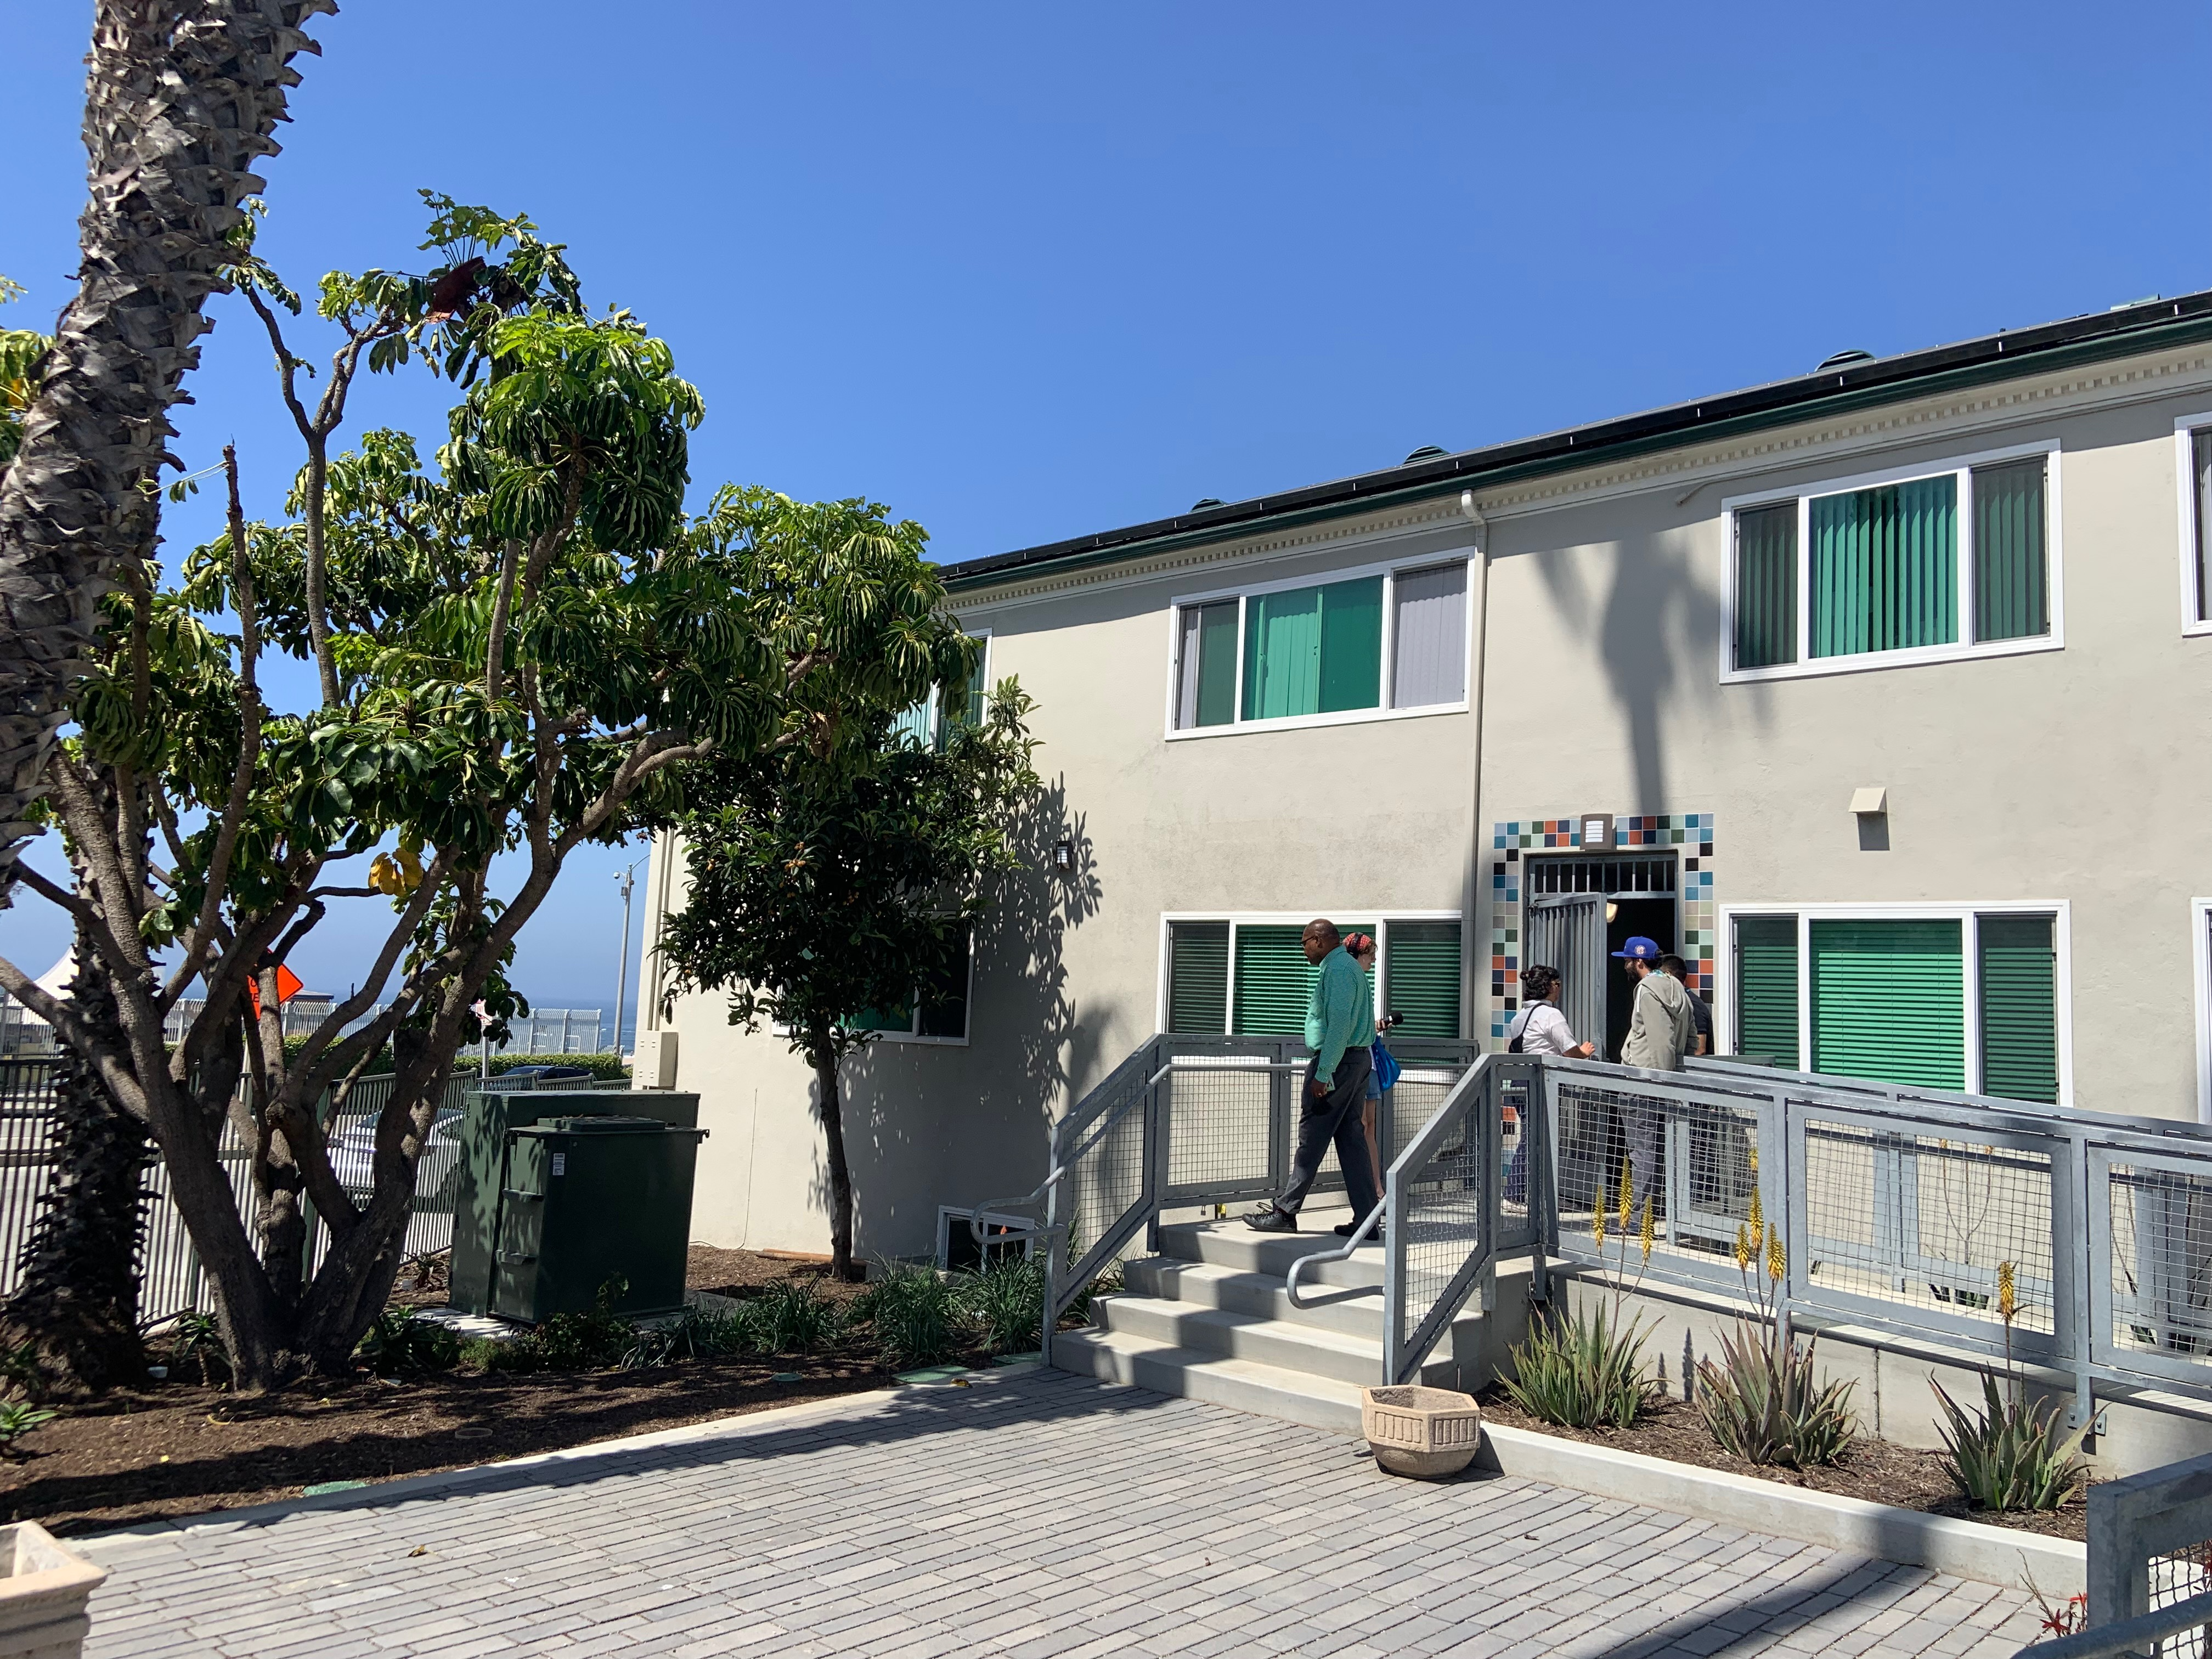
(1660, 1032)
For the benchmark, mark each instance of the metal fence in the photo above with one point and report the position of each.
(172, 1282)
(2150, 1568)
(541, 1031)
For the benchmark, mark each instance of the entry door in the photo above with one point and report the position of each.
(1568, 932)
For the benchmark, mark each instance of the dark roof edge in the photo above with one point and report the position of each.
(1883, 379)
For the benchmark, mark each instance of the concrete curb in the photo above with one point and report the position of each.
(2058, 1567)
(424, 1486)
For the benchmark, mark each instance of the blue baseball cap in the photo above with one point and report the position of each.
(1638, 949)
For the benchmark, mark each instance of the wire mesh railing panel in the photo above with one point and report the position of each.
(1693, 1163)
(1924, 1221)
(2175, 1575)
(1443, 1220)
(1220, 1123)
(1108, 1187)
(1407, 1108)
(2159, 1242)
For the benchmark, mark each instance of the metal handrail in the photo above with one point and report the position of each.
(2141, 1634)
(1341, 1253)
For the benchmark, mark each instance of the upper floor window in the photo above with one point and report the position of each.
(926, 723)
(1916, 567)
(1361, 647)
(2192, 443)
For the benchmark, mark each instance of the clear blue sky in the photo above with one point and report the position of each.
(1023, 272)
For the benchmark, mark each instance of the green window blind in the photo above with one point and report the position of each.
(911, 728)
(1766, 586)
(2019, 1007)
(964, 706)
(1422, 961)
(1314, 650)
(1886, 568)
(1767, 989)
(1198, 977)
(1889, 1001)
(1274, 980)
(2011, 574)
(882, 1020)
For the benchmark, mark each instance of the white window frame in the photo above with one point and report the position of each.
(1383, 917)
(1970, 941)
(2200, 962)
(1809, 666)
(2186, 428)
(1389, 571)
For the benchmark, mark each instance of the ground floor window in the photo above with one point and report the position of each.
(1249, 976)
(937, 1012)
(1958, 998)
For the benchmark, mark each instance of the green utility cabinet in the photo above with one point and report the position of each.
(562, 1192)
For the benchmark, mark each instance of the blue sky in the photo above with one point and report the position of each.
(1024, 272)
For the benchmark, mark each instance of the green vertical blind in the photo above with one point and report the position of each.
(1767, 989)
(2200, 453)
(1198, 976)
(1421, 971)
(1274, 981)
(1766, 586)
(1206, 669)
(1889, 1000)
(1885, 568)
(938, 1008)
(2020, 1006)
(2012, 597)
(1314, 650)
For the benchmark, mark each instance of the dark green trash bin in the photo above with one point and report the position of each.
(563, 1193)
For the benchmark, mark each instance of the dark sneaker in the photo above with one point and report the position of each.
(1269, 1219)
(1350, 1227)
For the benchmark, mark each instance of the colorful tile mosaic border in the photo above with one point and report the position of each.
(1699, 908)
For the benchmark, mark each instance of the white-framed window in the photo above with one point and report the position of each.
(1885, 569)
(2200, 958)
(1247, 974)
(924, 724)
(936, 1013)
(2192, 472)
(1371, 643)
(1971, 997)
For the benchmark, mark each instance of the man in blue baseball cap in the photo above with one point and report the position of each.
(1660, 1032)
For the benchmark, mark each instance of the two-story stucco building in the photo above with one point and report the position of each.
(1883, 694)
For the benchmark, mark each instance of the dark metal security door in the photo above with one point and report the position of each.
(1568, 933)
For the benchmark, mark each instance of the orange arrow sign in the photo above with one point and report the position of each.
(287, 987)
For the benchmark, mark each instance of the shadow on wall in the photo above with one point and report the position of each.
(925, 1125)
(1657, 631)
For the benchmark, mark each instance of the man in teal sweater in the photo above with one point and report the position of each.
(1340, 1031)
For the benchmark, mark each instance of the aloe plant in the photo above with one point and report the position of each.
(1766, 1403)
(1583, 1371)
(2012, 1454)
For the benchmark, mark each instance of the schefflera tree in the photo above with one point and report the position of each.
(830, 886)
(513, 653)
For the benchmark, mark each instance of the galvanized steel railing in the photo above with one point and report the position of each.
(2150, 1568)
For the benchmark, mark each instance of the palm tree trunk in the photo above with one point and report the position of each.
(75, 1304)
(181, 98)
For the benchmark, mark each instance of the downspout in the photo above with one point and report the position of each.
(1477, 949)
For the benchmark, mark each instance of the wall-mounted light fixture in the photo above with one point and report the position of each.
(1063, 855)
(1870, 806)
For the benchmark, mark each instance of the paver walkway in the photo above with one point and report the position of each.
(1025, 1515)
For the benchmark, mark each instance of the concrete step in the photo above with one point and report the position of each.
(1232, 1244)
(1244, 1385)
(1352, 1309)
(1306, 1349)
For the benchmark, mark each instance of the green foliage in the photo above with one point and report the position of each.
(18, 1419)
(1764, 1405)
(22, 352)
(1582, 1371)
(913, 1312)
(1005, 1302)
(402, 1343)
(792, 1318)
(2011, 1455)
(694, 1333)
(196, 1337)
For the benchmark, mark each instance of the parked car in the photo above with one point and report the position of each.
(352, 1160)
(533, 1076)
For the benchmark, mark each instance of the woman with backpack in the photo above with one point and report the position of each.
(1538, 1028)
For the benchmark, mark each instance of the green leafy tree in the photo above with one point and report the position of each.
(827, 886)
(515, 650)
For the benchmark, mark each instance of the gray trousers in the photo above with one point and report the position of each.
(1335, 1118)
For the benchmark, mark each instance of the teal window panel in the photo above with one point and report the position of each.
(1885, 568)
(1889, 1000)
(1198, 977)
(1767, 989)
(1766, 586)
(2020, 1006)
(1423, 971)
(1273, 980)
(2012, 574)
(1314, 650)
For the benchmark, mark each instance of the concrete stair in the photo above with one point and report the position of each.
(1208, 1318)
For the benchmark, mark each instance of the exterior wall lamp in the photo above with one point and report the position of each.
(1063, 856)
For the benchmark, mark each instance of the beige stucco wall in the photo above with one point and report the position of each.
(2076, 776)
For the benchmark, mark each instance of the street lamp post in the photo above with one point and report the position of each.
(627, 879)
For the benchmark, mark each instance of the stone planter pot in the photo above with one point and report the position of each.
(43, 1594)
(1430, 1433)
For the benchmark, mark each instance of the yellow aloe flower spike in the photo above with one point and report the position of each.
(1758, 1222)
(1597, 1224)
(2008, 1292)
(1775, 1262)
(1627, 1196)
(1648, 1232)
(1742, 1247)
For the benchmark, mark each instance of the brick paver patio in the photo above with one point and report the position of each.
(1026, 1516)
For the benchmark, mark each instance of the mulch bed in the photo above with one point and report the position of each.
(179, 1448)
(1878, 1470)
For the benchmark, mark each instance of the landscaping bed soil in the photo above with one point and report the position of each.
(1878, 1470)
(180, 1448)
